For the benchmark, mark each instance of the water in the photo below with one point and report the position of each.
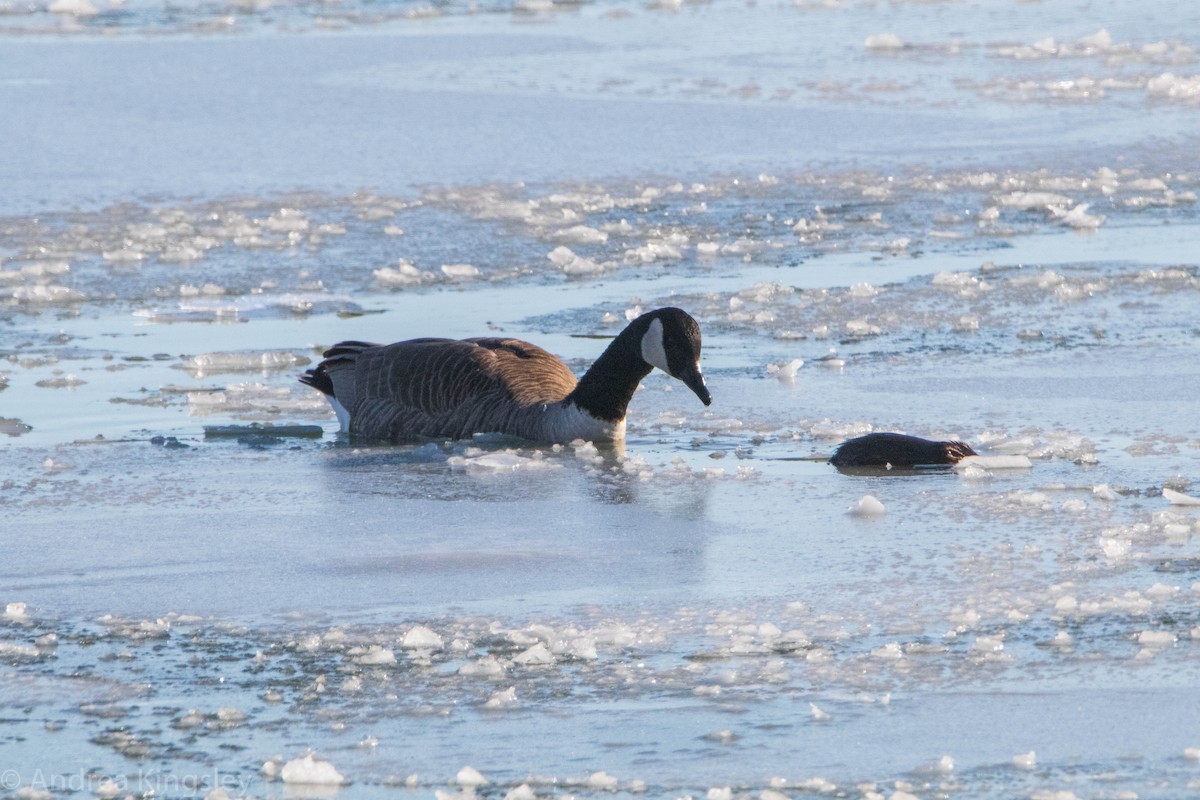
(962, 228)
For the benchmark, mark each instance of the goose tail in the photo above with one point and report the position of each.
(342, 353)
(319, 379)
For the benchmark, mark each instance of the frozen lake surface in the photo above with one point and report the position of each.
(970, 220)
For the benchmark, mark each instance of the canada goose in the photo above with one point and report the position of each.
(455, 388)
(897, 450)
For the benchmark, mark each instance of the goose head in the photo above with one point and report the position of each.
(670, 340)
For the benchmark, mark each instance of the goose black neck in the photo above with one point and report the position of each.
(605, 390)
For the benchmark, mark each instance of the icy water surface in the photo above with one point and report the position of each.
(970, 221)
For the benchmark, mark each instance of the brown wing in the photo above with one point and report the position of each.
(443, 387)
(531, 374)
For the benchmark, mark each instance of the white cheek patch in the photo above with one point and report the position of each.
(653, 352)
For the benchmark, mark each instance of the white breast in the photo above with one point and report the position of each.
(565, 422)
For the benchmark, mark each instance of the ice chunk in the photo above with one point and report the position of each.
(943, 766)
(108, 789)
(11, 650)
(286, 220)
(786, 370)
(817, 714)
(498, 462)
(889, 652)
(258, 398)
(405, 274)
(884, 41)
(1030, 201)
(1076, 217)
(866, 506)
(537, 655)
(1025, 760)
(1156, 638)
(654, 250)
(522, 792)
(469, 776)
(229, 717)
(1175, 87)
(460, 272)
(47, 294)
(42, 269)
(957, 280)
(831, 360)
(1066, 604)
(421, 638)
(572, 264)
(1161, 591)
(61, 382)
(125, 255)
(247, 361)
(377, 656)
(988, 644)
(581, 234)
(861, 328)
(17, 612)
(505, 698)
(486, 667)
(311, 771)
(1179, 498)
(601, 780)
(1102, 491)
(1100, 40)
(995, 462)
(192, 719)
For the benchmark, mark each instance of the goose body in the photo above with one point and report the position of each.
(454, 388)
(898, 450)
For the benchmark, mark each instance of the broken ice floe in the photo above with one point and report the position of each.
(1179, 498)
(311, 771)
(884, 41)
(251, 400)
(477, 460)
(402, 275)
(207, 304)
(571, 264)
(866, 506)
(994, 462)
(245, 361)
(786, 371)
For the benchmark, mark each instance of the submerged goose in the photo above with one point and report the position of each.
(454, 388)
(898, 450)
